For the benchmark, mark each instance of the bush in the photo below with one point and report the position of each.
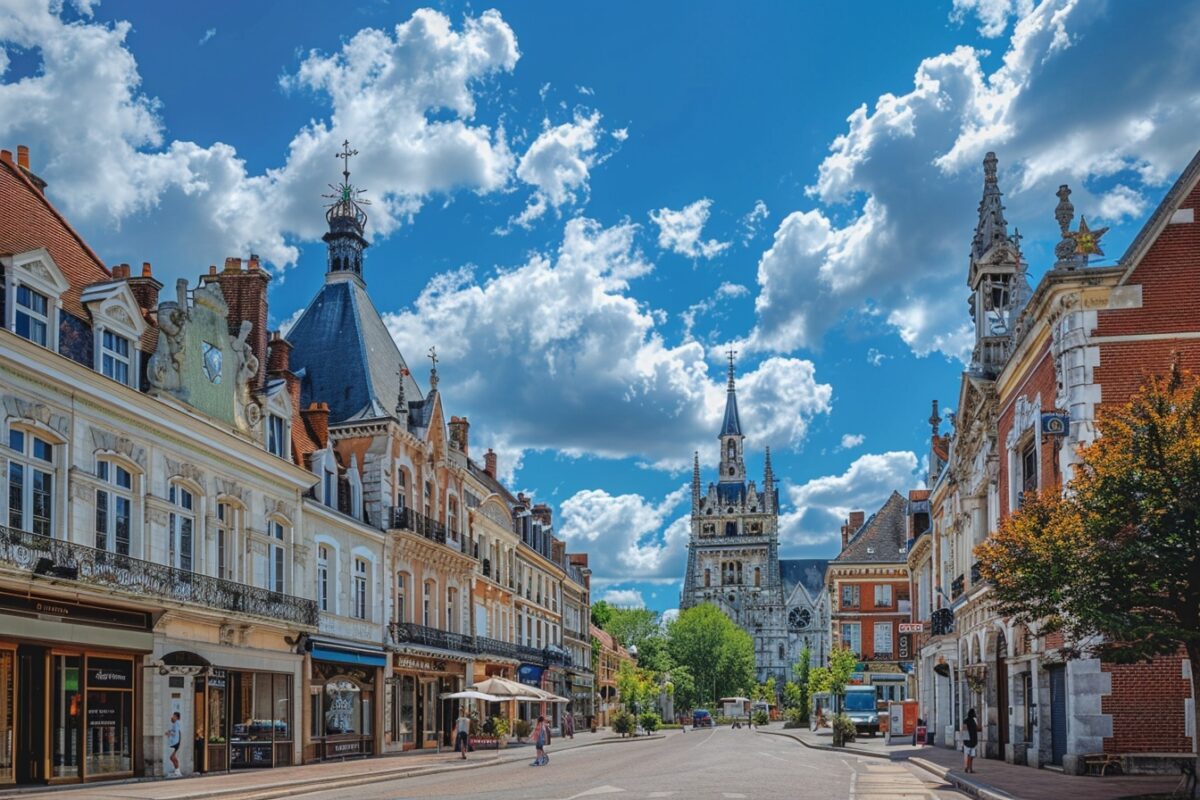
(623, 723)
(500, 727)
(843, 729)
(760, 717)
(794, 718)
(522, 729)
(649, 721)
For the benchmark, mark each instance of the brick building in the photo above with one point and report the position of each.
(869, 589)
(1045, 361)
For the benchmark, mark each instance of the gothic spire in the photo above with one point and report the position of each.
(732, 425)
(769, 481)
(696, 480)
(992, 229)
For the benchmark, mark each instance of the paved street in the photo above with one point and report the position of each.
(721, 763)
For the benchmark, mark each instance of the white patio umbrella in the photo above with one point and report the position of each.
(505, 689)
(471, 694)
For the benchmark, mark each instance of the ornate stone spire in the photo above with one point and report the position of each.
(1064, 214)
(401, 403)
(992, 229)
(732, 425)
(935, 419)
(347, 222)
(695, 481)
(769, 482)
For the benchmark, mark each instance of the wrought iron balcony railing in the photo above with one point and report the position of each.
(406, 519)
(42, 555)
(976, 576)
(957, 586)
(412, 633)
(941, 622)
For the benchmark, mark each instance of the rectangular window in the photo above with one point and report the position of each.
(114, 509)
(360, 588)
(277, 560)
(275, 435)
(883, 639)
(180, 535)
(852, 636)
(401, 603)
(114, 357)
(851, 595)
(323, 578)
(327, 487)
(30, 487)
(32, 316)
(428, 602)
(1029, 467)
(883, 596)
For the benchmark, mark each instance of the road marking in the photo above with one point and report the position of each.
(732, 795)
(597, 790)
(662, 794)
(772, 755)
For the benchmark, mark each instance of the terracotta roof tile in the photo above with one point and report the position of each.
(880, 538)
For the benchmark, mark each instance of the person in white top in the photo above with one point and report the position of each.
(462, 728)
(173, 739)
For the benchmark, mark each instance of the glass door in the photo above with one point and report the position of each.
(429, 710)
(66, 711)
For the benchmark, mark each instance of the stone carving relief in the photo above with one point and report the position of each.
(274, 507)
(1026, 415)
(109, 442)
(178, 469)
(36, 412)
(248, 411)
(228, 488)
(120, 315)
(166, 365)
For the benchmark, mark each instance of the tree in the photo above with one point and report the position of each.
(717, 653)
(601, 613)
(633, 626)
(682, 686)
(1114, 562)
(833, 678)
(801, 670)
(635, 686)
(793, 695)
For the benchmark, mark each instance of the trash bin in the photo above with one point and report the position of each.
(919, 735)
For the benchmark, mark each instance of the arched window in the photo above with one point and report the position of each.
(114, 507)
(361, 580)
(323, 578)
(182, 523)
(31, 482)
(781, 652)
(229, 519)
(732, 450)
(276, 557)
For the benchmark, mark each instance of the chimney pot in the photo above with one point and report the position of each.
(6, 156)
(233, 264)
(254, 261)
(857, 518)
(317, 415)
(146, 271)
(278, 354)
(489, 462)
(23, 156)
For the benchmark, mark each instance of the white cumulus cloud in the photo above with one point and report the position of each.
(680, 230)
(624, 598)
(851, 440)
(558, 165)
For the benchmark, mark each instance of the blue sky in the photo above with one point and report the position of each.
(583, 205)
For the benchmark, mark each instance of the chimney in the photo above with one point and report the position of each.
(489, 463)
(279, 352)
(857, 518)
(845, 536)
(317, 417)
(120, 271)
(145, 287)
(23, 163)
(245, 293)
(459, 434)
(23, 157)
(542, 513)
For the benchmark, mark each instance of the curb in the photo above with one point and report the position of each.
(971, 787)
(853, 750)
(294, 788)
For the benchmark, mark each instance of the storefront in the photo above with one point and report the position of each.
(344, 680)
(583, 695)
(244, 719)
(420, 718)
(69, 690)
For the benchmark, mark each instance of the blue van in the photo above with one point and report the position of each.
(702, 719)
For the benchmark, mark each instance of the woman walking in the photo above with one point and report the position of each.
(541, 734)
(971, 726)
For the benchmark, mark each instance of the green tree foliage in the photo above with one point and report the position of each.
(601, 614)
(820, 681)
(802, 696)
(624, 723)
(683, 688)
(842, 664)
(636, 685)
(649, 721)
(1115, 560)
(633, 626)
(718, 654)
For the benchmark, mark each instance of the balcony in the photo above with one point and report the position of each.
(406, 519)
(941, 622)
(976, 577)
(412, 633)
(957, 586)
(487, 568)
(56, 558)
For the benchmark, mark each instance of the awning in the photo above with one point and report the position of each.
(343, 652)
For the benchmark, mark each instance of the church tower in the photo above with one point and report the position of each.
(733, 552)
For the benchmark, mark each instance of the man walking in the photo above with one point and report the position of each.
(462, 727)
(173, 737)
(971, 726)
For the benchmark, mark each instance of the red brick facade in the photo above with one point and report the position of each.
(1147, 704)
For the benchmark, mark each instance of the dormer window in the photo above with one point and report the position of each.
(275, 435)
(114, 357)
(32, 319)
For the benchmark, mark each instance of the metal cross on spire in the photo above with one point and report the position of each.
(732, 355)
(433, 376)
(345, 156)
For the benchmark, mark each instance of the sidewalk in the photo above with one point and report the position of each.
(993, 780)
(265, 784)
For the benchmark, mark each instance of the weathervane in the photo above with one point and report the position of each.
(732, 355)
(433, 376)
(347, 201)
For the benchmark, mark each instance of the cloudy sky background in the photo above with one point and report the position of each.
(582, 208)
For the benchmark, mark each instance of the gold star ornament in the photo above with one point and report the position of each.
(1087, 241)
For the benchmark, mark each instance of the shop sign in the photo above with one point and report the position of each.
(530, 674)
(912, 627)
(109, 673)
(419, 664)
(216, 679)
(343, 748)
(74, 612)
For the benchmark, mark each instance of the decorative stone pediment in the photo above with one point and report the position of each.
(182, 469)
(38, 413)
(112, 305)
(108, 442)
(37, 268)
(1025, 416)
(274, 507)
(228, 488)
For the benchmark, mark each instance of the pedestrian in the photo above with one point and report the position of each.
(462, 736)
(569, 725)
(971, 726)
(173, 739)
(541, 736)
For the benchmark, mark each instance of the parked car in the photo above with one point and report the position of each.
(702, 719)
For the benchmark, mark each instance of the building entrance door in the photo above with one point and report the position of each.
(1058, 713)
(1001, 696)
(31, 715)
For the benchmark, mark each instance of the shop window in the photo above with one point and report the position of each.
(261, 716)
(361, 574)
(341, 706)
(114, 507)
(404, 711)
(66, 716)
(109, 736)
(31, 483)
(8, 715)
(114, 357)
(182, 521)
